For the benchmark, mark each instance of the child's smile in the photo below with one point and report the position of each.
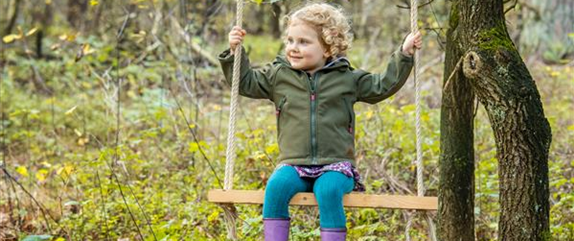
(303, 48)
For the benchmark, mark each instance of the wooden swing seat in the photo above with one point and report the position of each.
(353, 200)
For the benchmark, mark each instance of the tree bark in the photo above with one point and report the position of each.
(456, 163)
(43, 19)
(12, 21)
(522, 134)
(274, 20)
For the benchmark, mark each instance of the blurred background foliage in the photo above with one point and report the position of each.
(79, 163)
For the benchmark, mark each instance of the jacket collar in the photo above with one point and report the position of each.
(338, 63)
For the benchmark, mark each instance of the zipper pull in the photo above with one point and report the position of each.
(280, 106)
(313, 96)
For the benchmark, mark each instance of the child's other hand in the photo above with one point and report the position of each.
(235, 37)
(412, 41)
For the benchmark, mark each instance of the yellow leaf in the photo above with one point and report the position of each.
(193, 147)
(191, 126)
(50, 101)
(46, 164)
(78, 132)
(32, 31)
(22, 170)
(425, 117)
(94, 2)
(272, 149)
(68, 37)
(408, 108)
(48, 2)
(261, 157)
(87, 50)
(84, 49)
(41, 175)
(369, 114)
(11, 37)
(55, 46)
(571, 128)
(67, 169)
(60, 239)
(71, 110)
(83, 141)
(213, 216)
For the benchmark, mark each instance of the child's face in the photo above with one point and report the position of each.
(303, 48)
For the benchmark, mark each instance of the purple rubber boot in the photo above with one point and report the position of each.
(276, 229)
(333, 234)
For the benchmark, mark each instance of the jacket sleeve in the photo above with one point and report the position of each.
(257, 84)
(373, 88)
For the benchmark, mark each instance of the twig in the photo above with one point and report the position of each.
(103, 207)
(42, 209)
(196, 139)
(456, 68)
(195, 47)
(117, 132)
(511, 7)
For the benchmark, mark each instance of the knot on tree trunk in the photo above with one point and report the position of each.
(472, 65)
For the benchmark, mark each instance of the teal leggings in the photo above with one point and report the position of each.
(329, 189)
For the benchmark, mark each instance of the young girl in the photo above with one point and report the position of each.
(314, 89)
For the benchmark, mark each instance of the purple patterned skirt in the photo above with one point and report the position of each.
(344, 167)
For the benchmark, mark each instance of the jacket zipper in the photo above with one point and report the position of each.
(313, 97)
(278, 111)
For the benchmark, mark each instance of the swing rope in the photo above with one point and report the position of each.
(229, 210)
(230, 154)
(230, 214)
(418, 135)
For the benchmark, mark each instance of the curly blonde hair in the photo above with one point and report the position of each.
(330, 23)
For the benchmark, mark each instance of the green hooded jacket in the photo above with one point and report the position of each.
(315, 117)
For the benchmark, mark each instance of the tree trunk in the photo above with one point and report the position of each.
(44, 20)
(522, 134)
(76, 13)
(12, 21)
(274, 20)
(456, 181)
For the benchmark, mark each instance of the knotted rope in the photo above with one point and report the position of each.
(419, 158)
(230, 211)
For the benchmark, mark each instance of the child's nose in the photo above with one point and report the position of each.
(293, 47)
